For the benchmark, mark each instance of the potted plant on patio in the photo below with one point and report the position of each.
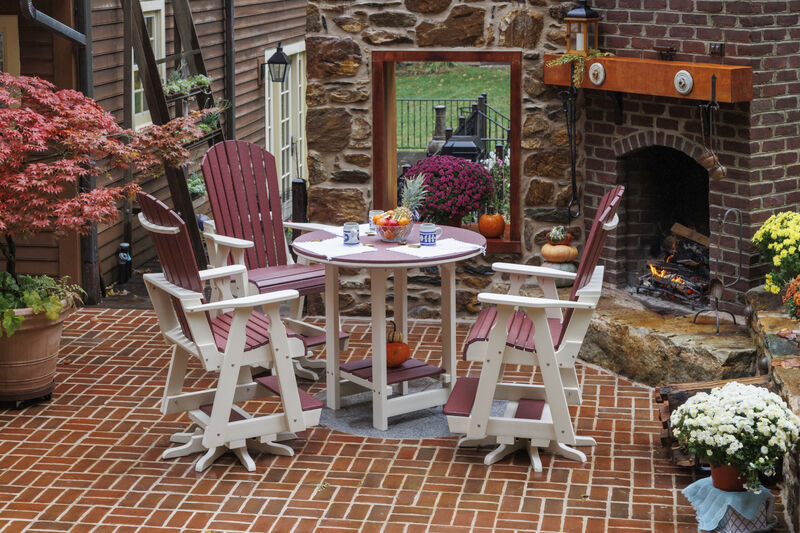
(741, 430)
(49, 140)
(455, 187)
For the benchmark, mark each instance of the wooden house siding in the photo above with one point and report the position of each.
(45, 253)
(258, 26)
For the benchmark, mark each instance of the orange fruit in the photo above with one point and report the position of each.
(403, 221)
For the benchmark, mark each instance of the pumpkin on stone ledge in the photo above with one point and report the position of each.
(397, 351)
(491, 226)
(557, 249)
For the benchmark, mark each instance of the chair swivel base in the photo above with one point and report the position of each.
(193, 443)
(532, 447)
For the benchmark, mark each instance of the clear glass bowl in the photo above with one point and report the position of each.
(394, 233)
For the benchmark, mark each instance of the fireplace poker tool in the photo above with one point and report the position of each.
(568, 98)
(716, 286)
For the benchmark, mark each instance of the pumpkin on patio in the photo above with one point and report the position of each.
(491, 226)
(397, 351)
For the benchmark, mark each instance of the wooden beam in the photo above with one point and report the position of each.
(655, 77)
(687, 233)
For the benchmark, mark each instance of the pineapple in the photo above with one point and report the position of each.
(414, 192)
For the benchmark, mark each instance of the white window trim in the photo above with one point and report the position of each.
(150, 6)
(271, 96)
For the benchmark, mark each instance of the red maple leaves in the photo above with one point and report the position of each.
(49, 139)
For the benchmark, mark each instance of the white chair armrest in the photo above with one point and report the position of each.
(525, 301)
(221, 272)
(530, 270)
(246, 301)
(209, 226)
(230, 242)
(309, 226)
(160, 281)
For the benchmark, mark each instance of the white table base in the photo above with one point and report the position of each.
(382, 405)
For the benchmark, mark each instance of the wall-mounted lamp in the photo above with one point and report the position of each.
(582, 24)
(278, 65)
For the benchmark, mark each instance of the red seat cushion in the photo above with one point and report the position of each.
(256, 331)
(305, 279)
(520, 329)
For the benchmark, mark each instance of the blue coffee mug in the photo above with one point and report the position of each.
(428, 233)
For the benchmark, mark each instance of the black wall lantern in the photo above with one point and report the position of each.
(278, 65)
(582, 23)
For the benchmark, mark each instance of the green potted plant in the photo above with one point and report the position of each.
(49, 140)
(741, 430)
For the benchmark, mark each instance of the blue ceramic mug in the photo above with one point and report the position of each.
(428, 233)
(350, 233)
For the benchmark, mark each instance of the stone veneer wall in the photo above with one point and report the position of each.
(340, 38)
(759, 140)
(765, 319)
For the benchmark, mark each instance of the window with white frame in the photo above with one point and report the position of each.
(285, 122)
(153, 11)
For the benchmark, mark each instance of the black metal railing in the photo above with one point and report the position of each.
(416, 118)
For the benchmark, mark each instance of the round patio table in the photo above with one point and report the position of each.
(372, 374)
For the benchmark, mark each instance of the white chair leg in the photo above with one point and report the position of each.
(565, 451)
(284, 435)
(192, 443)
(244, 457)
(271, 447)
(303, 373)
(584, 441)
(536, 461)
(502, 451)
(209, 457)
(464, 442)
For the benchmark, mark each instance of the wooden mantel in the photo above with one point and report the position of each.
(655, 77)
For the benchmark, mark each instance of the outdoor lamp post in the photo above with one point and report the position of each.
(582, 23)
(278, 65)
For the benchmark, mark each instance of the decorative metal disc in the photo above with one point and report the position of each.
(597, 74)
(683, 82)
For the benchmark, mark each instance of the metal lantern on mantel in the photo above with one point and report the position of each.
(582, 25)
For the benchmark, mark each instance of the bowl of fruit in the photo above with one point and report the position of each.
(394, 225)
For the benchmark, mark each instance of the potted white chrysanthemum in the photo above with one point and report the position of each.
(741, 430)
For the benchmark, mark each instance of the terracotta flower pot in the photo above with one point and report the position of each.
(28, 358)
(727, 478)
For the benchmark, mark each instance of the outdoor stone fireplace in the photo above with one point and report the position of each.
(758, 141)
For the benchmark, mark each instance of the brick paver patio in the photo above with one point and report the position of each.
(88, 460)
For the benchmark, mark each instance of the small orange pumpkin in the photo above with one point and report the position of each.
(491, 226)
(397, 351)
(559, 253)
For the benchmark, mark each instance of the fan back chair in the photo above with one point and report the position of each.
(537, 334)
(242, 183)
(230, 338)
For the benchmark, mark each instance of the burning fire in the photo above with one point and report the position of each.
(663, 274)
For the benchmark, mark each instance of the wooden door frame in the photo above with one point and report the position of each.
(384, 125)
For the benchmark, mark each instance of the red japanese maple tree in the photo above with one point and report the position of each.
(50, 139)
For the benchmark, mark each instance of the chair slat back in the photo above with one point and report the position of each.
(174, 252)
(609, 204)
(242, 183)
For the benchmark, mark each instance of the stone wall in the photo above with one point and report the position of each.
(759, 140)
(765, 319)
(340, 38)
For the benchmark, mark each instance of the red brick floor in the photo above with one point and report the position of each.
(89, 459)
